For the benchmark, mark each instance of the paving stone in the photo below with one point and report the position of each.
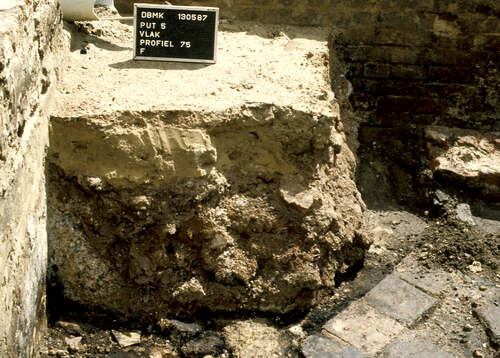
(414, 349)
(328, 347)
(364, 327)
(399, 300)
(432, 282)
(489, 314)
(349, 352)
(321, 347)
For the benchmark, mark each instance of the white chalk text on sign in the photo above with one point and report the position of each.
(175, 33)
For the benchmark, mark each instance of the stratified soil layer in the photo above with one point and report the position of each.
(176, 187)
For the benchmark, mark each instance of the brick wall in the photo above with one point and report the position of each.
(437, 65)
(30, 36)
(409, 61)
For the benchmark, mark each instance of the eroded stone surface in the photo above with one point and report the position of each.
(468, 156)
(414, 349)
(431, 281)
(399, 300)
(489, 314)
(319, 346)
(364, 327)
(328, 347)
(31, 44)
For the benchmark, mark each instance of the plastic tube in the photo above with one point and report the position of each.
(83, 10)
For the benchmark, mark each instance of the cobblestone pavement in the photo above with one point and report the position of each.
(416, 311)
(387, 321)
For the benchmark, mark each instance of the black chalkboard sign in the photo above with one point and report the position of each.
(175, 33)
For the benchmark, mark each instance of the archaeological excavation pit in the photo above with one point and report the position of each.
(178, 187)
(330, 187)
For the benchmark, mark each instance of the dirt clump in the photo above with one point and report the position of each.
(457, 245)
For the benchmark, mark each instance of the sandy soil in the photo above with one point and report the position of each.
(254, 63)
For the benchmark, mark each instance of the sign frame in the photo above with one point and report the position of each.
(176, 7)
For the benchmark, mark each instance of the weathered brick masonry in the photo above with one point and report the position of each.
(30, 37)
(410, 62)
(435, 65)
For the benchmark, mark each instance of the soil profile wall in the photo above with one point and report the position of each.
(29, 43)
(409, 62)
(222, 188)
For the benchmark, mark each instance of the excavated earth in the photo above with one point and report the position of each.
(214, 210)
(175, 188)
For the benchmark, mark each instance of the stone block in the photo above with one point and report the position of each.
(364, 327)
(399, 300)
(470, 156)
(414, 349)
(488, 313)
(328, 347)
(432, 282)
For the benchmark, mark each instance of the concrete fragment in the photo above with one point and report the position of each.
(414, 349)
(399, 300)
(364, 327)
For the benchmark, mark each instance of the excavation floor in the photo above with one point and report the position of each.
(255, 63)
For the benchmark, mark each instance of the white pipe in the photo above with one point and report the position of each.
(78, 10)
(108, 3)
(83, 10)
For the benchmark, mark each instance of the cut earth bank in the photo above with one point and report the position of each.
(22, 156)
(174, 188)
